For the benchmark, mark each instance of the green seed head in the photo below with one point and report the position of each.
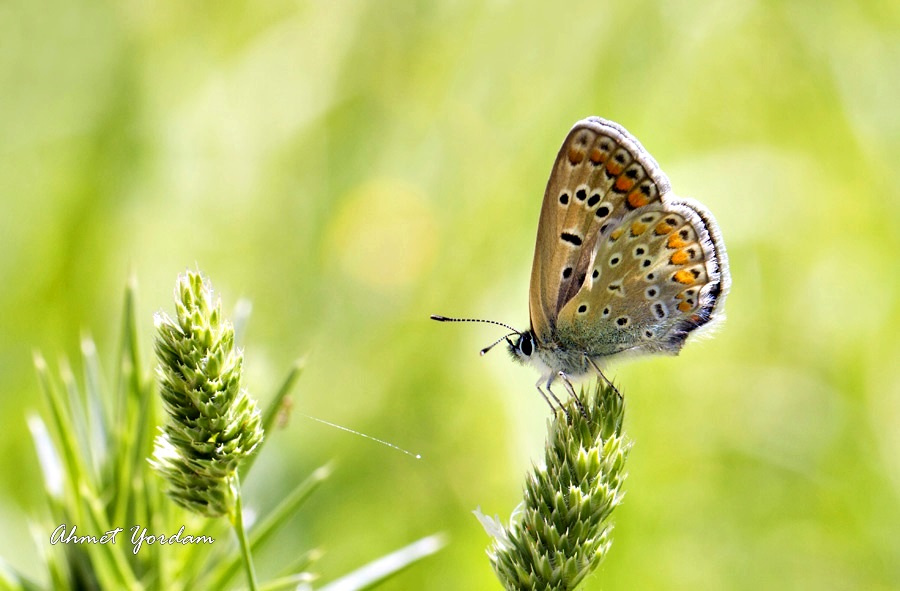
(212, 423)
(560, 533)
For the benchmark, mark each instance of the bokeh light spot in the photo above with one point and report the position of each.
(384, 234)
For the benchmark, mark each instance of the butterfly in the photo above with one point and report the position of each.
(622, 266)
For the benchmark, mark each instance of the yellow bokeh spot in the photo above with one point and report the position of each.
(384, 234)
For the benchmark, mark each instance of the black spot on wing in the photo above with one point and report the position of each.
(570, 238)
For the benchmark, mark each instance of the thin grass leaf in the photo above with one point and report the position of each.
(289, 582)
(145, 420)
(96, 411)
(271, 412)
(264, 529)
(301, 562)
(123, 469)
(387, 566)
(129, 377)
(48, 457)
(108, 560)
(156, 513)
(134, 413)
(60, 427)
(77, 418)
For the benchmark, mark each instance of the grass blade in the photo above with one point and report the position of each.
(387, 566)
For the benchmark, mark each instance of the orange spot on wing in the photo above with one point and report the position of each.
(617, 233)
(679, 258)
(684, 306)
(623, 183)
(637, 199)
(662, 228)
(675, 241)
(683, 277)
(638, 228)
(597, 156)
(575, 156)
(613, 168)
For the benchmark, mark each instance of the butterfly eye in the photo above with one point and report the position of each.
(525, 345)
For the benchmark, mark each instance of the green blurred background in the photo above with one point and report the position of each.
(352, 167)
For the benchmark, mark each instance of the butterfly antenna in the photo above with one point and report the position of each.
(497, 342)
(447, 319)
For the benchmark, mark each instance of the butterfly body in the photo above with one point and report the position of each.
(548, 358)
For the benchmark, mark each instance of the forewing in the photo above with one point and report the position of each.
(601, 175)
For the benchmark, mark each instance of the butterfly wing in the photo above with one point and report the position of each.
(660, 274)
(601, 175)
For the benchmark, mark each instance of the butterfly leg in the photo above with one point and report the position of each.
(605, 379)
(571, 389)
(544, 396)
(559, 404)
